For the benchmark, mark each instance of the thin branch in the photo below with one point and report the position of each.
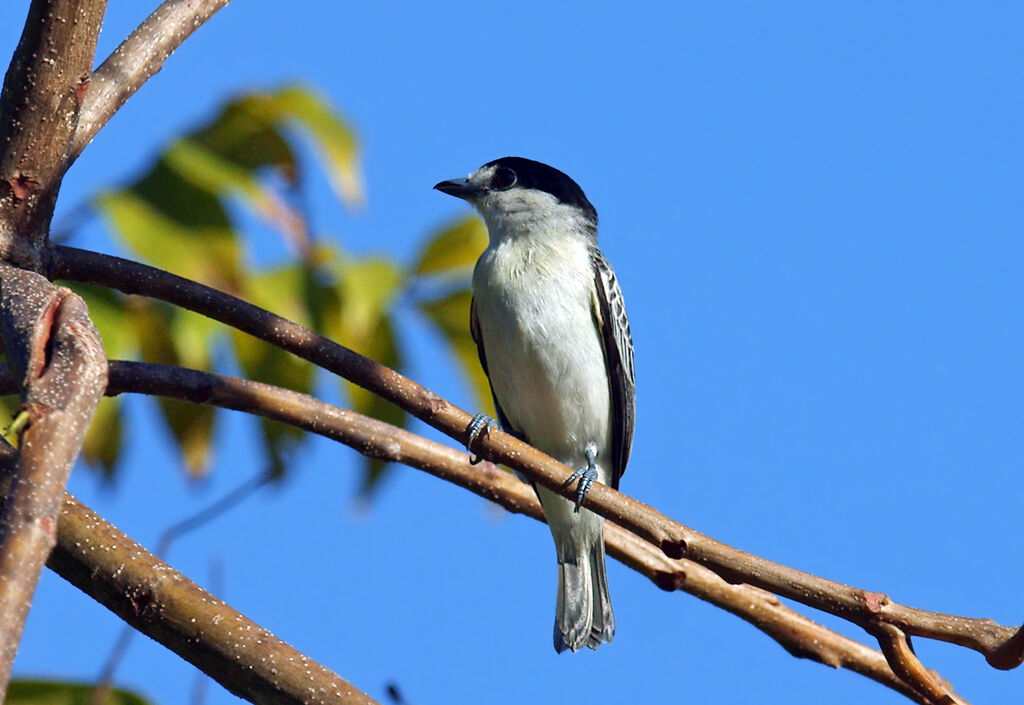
(162, 603)
(61, 372)
(896, 647)
(799, 635)
(138, 58)
(1001, 645)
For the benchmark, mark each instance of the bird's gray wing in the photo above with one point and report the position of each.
(610, 315)
(474, 330)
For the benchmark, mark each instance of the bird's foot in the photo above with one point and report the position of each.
(481, 424)
(586, 476)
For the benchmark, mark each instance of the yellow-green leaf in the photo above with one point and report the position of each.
(172, 336)
(282, 291)
(103, 440)
(107, 311)
(456, 246)
(23, 691)
(381, 346)
(212, 171)
(335, 137)
(9, 408)
(450, 315)
(180, 226)
(367, 288)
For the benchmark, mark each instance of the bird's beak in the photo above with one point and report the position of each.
(460, 188)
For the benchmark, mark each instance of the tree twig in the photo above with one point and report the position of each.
(136, 60)
(896, 647)
(1001, 645)
(799, 635)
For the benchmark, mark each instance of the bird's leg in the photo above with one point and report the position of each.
(481, 423)
(587, 476)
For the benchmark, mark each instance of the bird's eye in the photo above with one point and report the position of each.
(503, 179)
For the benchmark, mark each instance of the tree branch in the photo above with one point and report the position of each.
(178, 529)
(800, 636)
(39, 109)
(138, 58)
(1002, 646)
(165, 605)
(53, 347)
(61, 372)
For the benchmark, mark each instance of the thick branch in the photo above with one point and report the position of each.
(138, 58)
(995, 641)
(165, 605)
(61, 371)
(39, 107)
(797, 634)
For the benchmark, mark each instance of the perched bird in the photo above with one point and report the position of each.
(550, 326)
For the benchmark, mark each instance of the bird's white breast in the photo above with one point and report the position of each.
(534, 305)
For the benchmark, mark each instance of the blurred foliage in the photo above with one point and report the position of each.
(177, 216)
(39, 692)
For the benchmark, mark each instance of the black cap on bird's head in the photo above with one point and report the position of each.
(519, 173)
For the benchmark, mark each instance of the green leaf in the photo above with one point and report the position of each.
(381, 346)
(282, 291)
(180, 226)
(22, 691)
(9, 408)
(456, 246)
(171, 336)
(450, 315)
(332, 135)
(175, 214)
(107, 311)
(104, 438)
(367, 288)
(210, 170)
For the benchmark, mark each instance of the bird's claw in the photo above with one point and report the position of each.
(587, 476)
(481, 423)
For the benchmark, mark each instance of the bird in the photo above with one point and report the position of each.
(550, 325)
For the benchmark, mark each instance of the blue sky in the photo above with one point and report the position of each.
(814, 211)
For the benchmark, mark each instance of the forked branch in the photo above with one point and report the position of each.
(136, 60)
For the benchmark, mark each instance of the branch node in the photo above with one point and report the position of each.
(874, 602)
(674, 548)
(23, 186)
(1010, 654)
(81, 89)
(669, 580)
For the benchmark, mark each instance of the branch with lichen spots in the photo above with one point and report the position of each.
(1002, 646)
(799, 635)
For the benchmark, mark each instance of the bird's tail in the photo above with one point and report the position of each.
(583, 613)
